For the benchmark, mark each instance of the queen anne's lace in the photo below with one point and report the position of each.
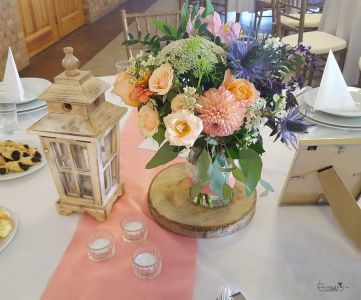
(185, 55)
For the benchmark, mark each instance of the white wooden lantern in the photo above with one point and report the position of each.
(80, 139)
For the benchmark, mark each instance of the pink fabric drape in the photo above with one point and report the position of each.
(76, 277)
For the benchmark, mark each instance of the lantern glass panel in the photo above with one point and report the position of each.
(108, 145)
(107, 179)
(85, 185)
(70, 184)
(80, 157)
(114, 171)
(61, 155)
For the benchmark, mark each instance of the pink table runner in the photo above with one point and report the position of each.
(76, 277)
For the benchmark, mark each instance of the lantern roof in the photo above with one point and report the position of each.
(73, 85)
(76, 105)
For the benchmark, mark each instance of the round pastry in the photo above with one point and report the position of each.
(10, 154)
(16, 166)
(30, 160)
(3, 170)
(6, 225)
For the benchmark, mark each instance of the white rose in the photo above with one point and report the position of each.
(182, 128)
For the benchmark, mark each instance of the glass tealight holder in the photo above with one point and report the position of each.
(121, 66)
(134, 228)
(101, 246)
(147, 262)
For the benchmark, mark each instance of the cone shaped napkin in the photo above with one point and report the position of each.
(12, 80)
(333, 95)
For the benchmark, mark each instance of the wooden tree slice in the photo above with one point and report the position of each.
(170, 205)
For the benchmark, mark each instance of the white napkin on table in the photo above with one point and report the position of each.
(333, 94)
(12, 80)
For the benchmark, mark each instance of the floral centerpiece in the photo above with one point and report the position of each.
(210, 89)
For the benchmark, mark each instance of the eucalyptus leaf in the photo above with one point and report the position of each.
(217, 179)
(266, 185)
(196, 188)
(204, 166)
(227, 193)
(251, 164)
(165, 154)
(238, 174)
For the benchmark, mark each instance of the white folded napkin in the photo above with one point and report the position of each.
(333, 94)
(12, 80)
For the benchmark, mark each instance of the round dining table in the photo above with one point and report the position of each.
(283, 253)
(343, 19)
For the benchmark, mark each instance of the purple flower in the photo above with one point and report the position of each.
(291, 124)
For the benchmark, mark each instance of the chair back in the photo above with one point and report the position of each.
(292, 9)
(143, 24)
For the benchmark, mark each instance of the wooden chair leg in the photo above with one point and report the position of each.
(342, 58)
(359, 81)
(255, 19)
(259, 20)
(310, 78)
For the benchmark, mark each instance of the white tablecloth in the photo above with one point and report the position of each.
(343, 19)
(282, 254)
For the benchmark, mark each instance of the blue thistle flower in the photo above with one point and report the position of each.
(252, 59)
(291, 124)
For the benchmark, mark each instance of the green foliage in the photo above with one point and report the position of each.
(266, 185)
(209, 9)
(184, 16)
(159, 135)
(203, 167)
(165, 154)
(217, 179)
(251, 164)
(167, 29)
(152, 44)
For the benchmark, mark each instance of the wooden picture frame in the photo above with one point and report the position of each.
(302, 185)
(328, 171)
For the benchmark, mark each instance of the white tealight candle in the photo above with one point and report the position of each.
(145, 259)
(99, 244)
(133, 227)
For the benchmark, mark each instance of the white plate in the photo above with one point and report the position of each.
(328, 120)
(6, 241)
(30, 106)
(14, 175)
(310, 98)
(33, 88)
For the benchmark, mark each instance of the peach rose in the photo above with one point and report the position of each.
(242, 89)
(177, 102)
(148, 120)
(182, 128)
(124, 88)
(161, 79)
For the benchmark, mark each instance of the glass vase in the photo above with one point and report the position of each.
(206, 198)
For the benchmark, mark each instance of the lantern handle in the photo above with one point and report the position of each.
(70, 63)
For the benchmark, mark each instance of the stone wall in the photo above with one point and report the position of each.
(11, 34)
(95, 9)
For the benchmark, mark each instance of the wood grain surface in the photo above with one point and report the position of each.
(170, 204)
